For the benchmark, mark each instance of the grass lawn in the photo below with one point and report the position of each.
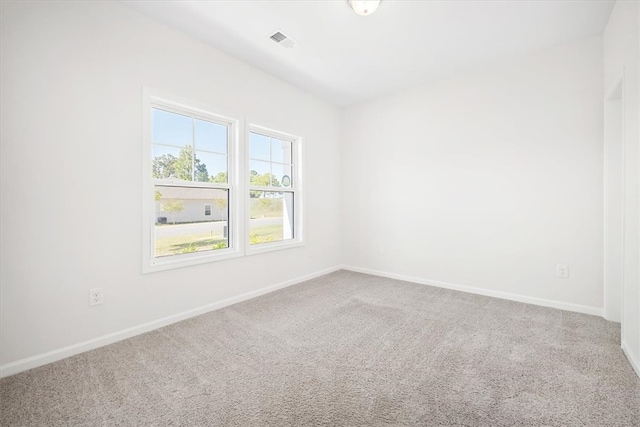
(266, 208)
(267, 233)
(188, 243)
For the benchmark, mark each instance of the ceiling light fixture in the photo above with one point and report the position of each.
(364, 7)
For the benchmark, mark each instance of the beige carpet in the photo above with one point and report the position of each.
(345, 349)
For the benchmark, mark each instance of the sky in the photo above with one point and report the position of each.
(172, 132)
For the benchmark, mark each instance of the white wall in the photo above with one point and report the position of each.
(621, 46)
(613, 203)
(488, 179)
(71, 123)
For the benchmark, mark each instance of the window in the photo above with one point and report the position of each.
(194, 195)
(191, 154)
(274, 190)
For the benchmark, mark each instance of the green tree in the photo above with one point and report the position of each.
(267, 179)
(164, 166)
(173, 207)
(221, 177)
(186, 166)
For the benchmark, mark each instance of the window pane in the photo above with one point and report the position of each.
(271, 217)
(260, 172)
(170, 128)
(210, 136)
(281, 175)
(183, 226)
(258, 146)
(211, 167)
(280, 151)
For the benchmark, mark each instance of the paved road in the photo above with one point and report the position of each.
(215, 228)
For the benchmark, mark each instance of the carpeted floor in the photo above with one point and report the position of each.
(345, 349)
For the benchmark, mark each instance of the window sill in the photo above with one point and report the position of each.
(272, 247)
(179, 261)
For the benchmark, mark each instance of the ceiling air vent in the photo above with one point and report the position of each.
(283, 39)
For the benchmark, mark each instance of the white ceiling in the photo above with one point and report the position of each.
(345, 58)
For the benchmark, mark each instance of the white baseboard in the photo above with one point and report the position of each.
(596, 311)
(62, 353)
(633, 359)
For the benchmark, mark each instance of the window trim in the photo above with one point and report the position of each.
(153, 98)
(297, 189)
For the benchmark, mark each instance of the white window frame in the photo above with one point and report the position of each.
(151, 263)
(209, 206)
(296, 188)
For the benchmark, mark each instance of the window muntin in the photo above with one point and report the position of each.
(272, 160)
(190, 167)
(272, 190)
(188, 148)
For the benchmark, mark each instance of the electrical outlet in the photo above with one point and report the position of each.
(562, 271)
(96, 296)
